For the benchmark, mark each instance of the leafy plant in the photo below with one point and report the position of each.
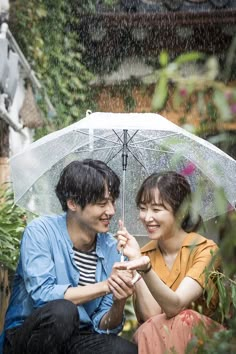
(192, 79)
(130, 320)
(208, 341)
(12, 223)
(218, 343)
(46, 32)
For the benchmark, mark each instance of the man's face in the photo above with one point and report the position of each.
(96, 217)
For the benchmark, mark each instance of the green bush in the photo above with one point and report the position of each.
(12, 224)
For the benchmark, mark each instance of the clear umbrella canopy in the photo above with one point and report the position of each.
(134, 145)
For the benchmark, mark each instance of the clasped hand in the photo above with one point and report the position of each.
(120, 283)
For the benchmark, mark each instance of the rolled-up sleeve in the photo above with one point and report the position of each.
(206, 260)
(206, 255)
(104, 307)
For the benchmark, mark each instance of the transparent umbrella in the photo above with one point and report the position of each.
(134, 145)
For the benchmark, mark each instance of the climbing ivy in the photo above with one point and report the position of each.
(46, 32)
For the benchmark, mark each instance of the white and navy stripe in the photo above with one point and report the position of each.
(86, 262)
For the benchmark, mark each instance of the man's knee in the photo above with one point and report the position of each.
(121, 345)
(63, 312)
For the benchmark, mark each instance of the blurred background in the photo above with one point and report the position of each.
(59, 59)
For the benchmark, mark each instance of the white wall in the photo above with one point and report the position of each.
(18, 141)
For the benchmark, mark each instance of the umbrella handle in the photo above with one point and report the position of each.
(122, 257)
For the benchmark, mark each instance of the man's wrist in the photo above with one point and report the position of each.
(106, 287)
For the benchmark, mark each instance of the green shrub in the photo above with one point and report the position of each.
(12, 224)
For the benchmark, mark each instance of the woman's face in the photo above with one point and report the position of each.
(158, 219)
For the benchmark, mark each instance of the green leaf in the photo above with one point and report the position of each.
(188, 57)
(12, 223)
(163, 59)
(222, 105)
(233, 290)
(201, 103)
(160, 93)
(210, 293)
(177, 99)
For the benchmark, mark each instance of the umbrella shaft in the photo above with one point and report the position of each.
(125, 150)
(124, 165)
(123, 197)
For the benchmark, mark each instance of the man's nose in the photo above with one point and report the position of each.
(110, 210)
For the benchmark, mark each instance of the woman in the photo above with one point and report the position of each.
(172, 285)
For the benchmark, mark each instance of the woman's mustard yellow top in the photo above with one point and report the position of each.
(192, 260)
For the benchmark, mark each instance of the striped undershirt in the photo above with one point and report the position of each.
(86, 262)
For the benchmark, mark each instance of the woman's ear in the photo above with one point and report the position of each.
(71, 205)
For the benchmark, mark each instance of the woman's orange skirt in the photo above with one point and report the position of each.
(162, 335)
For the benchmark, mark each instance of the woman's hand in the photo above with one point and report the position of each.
(127, 243)
(141, 264)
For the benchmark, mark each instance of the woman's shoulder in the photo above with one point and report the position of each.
(194, 239)
(150, 246)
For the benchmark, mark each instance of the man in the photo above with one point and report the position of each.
(61, 300)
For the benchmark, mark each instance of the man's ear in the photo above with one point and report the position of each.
(71, 205)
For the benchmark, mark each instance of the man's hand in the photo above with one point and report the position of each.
(120, 284)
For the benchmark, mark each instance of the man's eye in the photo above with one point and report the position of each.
(101, 203)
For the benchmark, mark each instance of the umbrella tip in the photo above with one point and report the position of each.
(88, 112)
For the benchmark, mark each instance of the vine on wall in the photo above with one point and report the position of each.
(46, 32)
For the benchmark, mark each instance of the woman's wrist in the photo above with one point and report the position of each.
(147, 266)
(137, 256)
(145, 271)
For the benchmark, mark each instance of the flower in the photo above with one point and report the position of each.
(233, 108)
(189, 169)
(183, 92)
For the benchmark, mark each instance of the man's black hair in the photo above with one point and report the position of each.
(85, 181)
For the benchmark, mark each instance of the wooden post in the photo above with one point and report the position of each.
(4, 293)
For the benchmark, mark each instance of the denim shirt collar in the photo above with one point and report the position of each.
(99, 243)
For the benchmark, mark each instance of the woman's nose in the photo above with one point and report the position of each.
(148, 215)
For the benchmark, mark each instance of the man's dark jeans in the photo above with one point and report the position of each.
(54, 329)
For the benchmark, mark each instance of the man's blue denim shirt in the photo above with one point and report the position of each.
(46, 269)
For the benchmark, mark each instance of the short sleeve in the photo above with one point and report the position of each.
(206, 258)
